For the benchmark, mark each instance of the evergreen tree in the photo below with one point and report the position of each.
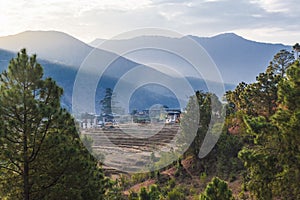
(228, 164)
(281, 61)
(41, 155)
(272, 161)
(109, 105)
(176, 193)
(260, 162)
(106, 102)
(202, 111)
(258, 98)
(287, 142)
(143, 195)
(154, 193)
(296, 48)
(217, 189)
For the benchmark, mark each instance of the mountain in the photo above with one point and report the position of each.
(62, 55)
(237, 59)
(50, 45)
(64, 75)
(57, 47)
(143, 97)
(5, 57)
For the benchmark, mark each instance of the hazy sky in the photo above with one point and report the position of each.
(274, 21)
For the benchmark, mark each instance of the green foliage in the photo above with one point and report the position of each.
(154, 193)
(217, 189)
(143, 195)
(282, 61)
(41, 155)
(139, 177)
(228, 164)
(258, 98)
(176, 194)
(133, 196)
(194, 127)
(296, 49)
(203, 176)
(272, 161)
(261, 113)
(287, 142)
(114, 190)
(172, 183)
(165, 157)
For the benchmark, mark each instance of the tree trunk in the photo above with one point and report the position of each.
(25, 170)
(25, 152)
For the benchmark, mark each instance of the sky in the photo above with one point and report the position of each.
(275, 21)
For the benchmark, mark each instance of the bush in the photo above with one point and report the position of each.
(176, 194)
(144, 194)
(217, 189)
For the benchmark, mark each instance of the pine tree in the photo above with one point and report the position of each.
(296, 48)
(106, 102)
(109, 104)
(154, 193)
(282, 61)
(287, 122)
(144, 195)
(217, 189)
(258, 98)
(41, 155)
(273, 160)
(201, 112)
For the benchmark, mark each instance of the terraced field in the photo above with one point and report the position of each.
(129, 147)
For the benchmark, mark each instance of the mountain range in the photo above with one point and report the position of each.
(62, 55)
(237, 58)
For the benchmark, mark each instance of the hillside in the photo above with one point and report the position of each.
(143, 98)
(62, 55)
(237, 59)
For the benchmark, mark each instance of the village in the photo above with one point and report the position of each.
(163, 116)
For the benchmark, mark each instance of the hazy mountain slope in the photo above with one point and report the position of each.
(5, 57)
(64, 75)
(50, 45)
(237, 59)
(55, 47)
(143, 98)
(61, 48)
(65, 54)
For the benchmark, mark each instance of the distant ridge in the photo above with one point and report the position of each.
(61, 55)
(51, 45)
(238, 59)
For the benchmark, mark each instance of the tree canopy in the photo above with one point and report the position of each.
(272, 160)
(41, 154)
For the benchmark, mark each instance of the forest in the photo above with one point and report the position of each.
(42, 155)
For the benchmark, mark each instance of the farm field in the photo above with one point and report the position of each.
(132, 145)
